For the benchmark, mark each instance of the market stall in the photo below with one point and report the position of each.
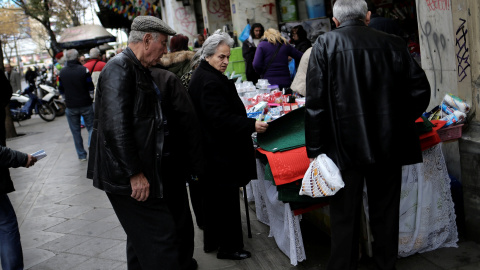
(427, 216)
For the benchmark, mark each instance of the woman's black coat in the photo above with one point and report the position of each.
(228, 148)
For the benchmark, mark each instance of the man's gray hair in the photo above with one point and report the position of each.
(71, 54)
(94, 53)
(211, 44)
(345, 10)
(137, 36)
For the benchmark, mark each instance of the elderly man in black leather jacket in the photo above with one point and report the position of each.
(129, 146)
(364, 92)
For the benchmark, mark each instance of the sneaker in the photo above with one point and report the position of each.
(83, 159)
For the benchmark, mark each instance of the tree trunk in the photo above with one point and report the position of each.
(10, 130)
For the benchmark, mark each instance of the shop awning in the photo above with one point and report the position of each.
(85, 36)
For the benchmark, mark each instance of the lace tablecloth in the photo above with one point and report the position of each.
(427, 217)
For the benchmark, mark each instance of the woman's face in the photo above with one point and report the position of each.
(220, 59)
(294, 34)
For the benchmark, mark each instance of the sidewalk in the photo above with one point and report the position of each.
(65, 223)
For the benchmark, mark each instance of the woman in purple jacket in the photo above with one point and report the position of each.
(275, 71)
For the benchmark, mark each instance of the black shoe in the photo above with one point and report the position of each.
(236, 255)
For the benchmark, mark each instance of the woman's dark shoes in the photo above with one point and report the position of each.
(235, 255)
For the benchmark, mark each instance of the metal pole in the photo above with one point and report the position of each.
(245, 200)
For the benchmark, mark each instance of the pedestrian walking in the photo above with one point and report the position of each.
(364, 93)
(76, 84)
(130, 143)
(13, 77)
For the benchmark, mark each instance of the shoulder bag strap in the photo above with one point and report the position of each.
(93, 68)
(271, 60)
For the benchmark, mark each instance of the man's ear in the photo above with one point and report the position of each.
(337, 23)
(146, 40)
(367, 18)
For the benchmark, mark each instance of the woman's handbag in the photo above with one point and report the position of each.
(323, 178)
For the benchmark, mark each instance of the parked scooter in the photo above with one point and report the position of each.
(22, 105)
(51, 95)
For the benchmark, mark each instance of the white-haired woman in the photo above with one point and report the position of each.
(229, 153)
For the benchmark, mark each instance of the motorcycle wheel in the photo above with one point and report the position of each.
(46, 112)
(61, 108)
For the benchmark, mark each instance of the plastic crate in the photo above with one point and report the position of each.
(236, 54)
(450, 133)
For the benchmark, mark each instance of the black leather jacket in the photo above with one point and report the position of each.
(128, 133)
(364, 92)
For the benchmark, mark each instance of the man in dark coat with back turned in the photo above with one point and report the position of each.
(133, 153)
(360, 112)
(76, 83)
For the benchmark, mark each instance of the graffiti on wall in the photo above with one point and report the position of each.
(462, 54)
(436, 42)
(185, 19)
(438, 4)
(221, 8)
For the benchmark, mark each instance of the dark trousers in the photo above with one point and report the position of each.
(223, 223)
(11, 256)
(151, 235)
(383, 189)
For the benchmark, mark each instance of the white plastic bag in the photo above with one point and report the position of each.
(323, 178)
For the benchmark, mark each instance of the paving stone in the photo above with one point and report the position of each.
(40, 211)
(474, 266)
(116, 233)
(34, 256)
(72, 211)
(416, 262)
(124, 266)
(33, 239)
(94, 247)
(95, 228)
(92, 197)
(65, 242)
(450, 258)
(69, 226)
(118, 252)
(39, 223)
(61, 261)
(97, 214)
(112, 218)
(98, 264)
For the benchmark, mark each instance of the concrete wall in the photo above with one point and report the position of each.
(437, 48)
(256, 11)
(216, 13)
(181, 19)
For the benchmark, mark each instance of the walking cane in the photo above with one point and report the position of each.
(245, 200)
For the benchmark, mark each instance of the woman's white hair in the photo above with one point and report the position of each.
(71, 54)
(137, 36)
(210, 45)
(345, 10)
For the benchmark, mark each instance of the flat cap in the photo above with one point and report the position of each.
(151, 24)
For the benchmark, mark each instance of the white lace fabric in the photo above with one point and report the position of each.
(427, 216)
